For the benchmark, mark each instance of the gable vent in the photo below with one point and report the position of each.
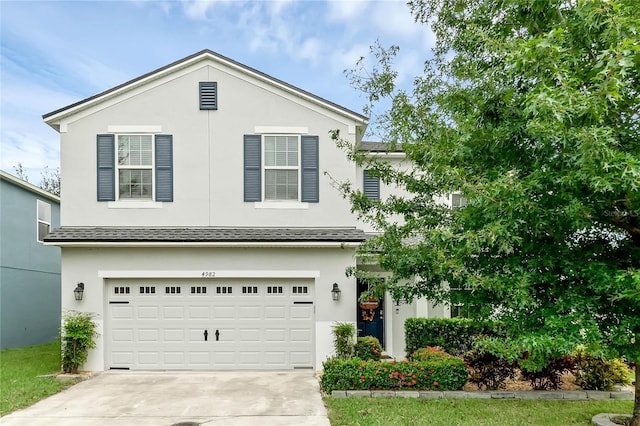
(209, 95)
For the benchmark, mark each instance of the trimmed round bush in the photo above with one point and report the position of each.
(367, 348)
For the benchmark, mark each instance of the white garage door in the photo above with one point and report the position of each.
(169, 325)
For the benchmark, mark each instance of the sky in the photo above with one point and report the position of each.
(55, 53)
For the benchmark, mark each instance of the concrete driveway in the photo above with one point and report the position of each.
(118, 398)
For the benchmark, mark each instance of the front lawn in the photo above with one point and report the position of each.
(461, 412)
(19, 368)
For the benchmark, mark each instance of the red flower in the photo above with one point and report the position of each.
(435, 384)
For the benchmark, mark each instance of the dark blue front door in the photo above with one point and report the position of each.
(374, 327)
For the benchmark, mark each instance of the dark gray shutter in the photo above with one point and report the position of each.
(106, 187)
(164, 168)
(310, 170)
(371, 185)
(208, 95)
(252, 168)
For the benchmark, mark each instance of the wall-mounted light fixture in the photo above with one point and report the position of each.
(78, 291)
(335, 292)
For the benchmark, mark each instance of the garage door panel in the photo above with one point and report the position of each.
(121, 312)
(173, 312)
(199, 312)
(148, 334)
(173, 335)
(155, 329)
(122, 335)
(276, 335)
(148, 312)
(224, 312)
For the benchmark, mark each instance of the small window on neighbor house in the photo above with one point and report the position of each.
(458, 201)
(44, 219)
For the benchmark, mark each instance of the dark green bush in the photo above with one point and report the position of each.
(550, 376)
(488, 370)
(356, 374)
(368, 347)
(598, 373)
(455, 335)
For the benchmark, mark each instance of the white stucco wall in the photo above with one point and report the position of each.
(207, 152)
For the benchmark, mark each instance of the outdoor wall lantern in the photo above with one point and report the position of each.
(77, 292)
(335, 292)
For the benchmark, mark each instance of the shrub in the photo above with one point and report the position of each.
(550, 376)
(489, 370)
(429, 354)
(598, 373)
(356, 374)
(455, 335)
(343, 339)
(368, 347)
(78, 333)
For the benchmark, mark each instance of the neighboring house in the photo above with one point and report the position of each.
(29, 270)
(198, 215)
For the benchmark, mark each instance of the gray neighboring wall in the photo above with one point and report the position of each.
(29, 270)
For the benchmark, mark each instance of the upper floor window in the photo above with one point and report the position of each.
(135, 166)
(44, 219)
(281, 168)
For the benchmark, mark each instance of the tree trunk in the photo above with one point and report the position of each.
(635, 420)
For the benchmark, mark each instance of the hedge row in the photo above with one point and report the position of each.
(455, 336)
(356, 374)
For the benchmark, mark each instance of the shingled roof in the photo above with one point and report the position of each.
(75, 234)
(379, 147)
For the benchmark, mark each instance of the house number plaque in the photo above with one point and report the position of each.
(208, 274)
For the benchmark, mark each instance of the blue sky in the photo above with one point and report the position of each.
(54, 53)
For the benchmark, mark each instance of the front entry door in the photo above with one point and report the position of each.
(374, 327)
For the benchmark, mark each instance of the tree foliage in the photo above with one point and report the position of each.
(50, 178)
(531, 110)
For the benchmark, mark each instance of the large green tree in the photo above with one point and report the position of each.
(531, 109)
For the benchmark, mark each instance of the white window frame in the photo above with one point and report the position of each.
(43, 216)
(462, 201)
(151, 167)
(298, 168)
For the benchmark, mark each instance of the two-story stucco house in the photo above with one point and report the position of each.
(29, 271)
(197, 213)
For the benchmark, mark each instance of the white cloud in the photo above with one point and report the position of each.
(351, 11)
(199, 9)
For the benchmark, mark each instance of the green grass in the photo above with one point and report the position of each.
(19, 368)
(459, 412)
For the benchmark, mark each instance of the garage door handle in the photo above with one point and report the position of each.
(206, 335)
(217, 335)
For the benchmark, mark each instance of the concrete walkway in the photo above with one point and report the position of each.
(235, 398)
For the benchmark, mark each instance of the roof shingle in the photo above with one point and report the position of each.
(69, 234)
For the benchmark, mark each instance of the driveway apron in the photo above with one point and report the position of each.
(239, 398)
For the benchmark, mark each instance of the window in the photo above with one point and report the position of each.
(458, 201)
(281, 168)
(135, 166)
(44, 219)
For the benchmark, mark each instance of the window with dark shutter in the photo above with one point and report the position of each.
(208, 95)
(371, 185)
(106, 185)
